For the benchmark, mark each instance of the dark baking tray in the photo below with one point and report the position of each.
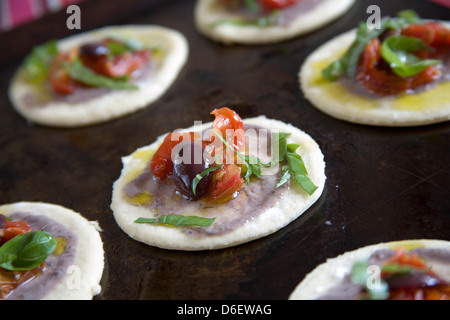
(383, 183)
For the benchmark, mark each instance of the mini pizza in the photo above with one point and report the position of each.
(218, 184)
(400, 270)
(48, 252)
(397, 75)
(98, 75)
(264, 21)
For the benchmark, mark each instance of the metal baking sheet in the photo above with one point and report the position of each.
(383, 184)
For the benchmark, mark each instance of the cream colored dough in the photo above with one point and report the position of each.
(330, 273)
(332, 98)
(207, 13)
(89, 256)
(294, 203)
(115, 103)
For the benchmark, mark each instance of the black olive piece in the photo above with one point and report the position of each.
(94, 49)
(189, 161)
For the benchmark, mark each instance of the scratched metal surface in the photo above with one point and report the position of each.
(383, 183)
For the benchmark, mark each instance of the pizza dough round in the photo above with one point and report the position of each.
(89, 258)
(332, 98)
(330, 273)
(290, 207)
(109, 104)
(207, 13)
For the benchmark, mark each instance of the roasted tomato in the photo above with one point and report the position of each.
(97, 57)
(161, 163)
(14, 228)
(433, 33)
(59, 78)
(230, 125)
(277, 4)
(225, 183)
(373, 74)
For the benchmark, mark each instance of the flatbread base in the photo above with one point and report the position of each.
(206, 14)
(332, 98)
(89, 257)
(330, 273)
(291, 206)
(114, 103)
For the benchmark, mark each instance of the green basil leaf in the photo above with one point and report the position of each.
(177, 220)
(116, 48)
(27, 250)
(359, 275)
(347, 64)
(285, 176)
(400, 269)
(410, 16)
(262, 22)
(37, 63)
(79, 72)
(281, 137)
(396, 50)
(359, 272)
(200, 176)
(298, 170)
(252, 5)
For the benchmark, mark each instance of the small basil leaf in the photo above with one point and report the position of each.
(298, 170)
(29, 250)
(79, 72)
(285, 176)
(200, 176)
(177, 220)
(37, 63)
(281, 137)
(359, 275)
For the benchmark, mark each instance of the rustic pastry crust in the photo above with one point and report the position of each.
(89, 259)
(332, 98)
(290, 207)
(207, 13)
(330, 273)
(114, 103)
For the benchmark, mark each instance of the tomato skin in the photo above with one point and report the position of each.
(161, 163)
(14, 228)
(59, 78)
(118, 66)
(382, 81)
(225, 182)
(277, 4)
(433, 33)
(227, 119)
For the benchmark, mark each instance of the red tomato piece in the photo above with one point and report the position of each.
(433, 33)
(161, 163)
(277, 4)
(126, 64)
(14, 228)
(230, 125)
(381, 80)
(225, 182)
(59, 78)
